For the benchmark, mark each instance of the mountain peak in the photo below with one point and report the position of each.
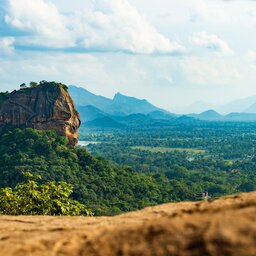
(121, 98)
(210, 112)
(120, 95)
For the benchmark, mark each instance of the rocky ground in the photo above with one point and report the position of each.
(226, 226)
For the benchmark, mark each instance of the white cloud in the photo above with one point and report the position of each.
(252, 12)
(34, 16)
(211, 42)
(40, 21)
(106, 26)
(6, 45)
(200, 10)
(205, 71)
(251, 55)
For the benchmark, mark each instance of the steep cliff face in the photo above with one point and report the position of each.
(48, 106)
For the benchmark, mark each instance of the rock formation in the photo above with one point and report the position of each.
(46, 106)
(226, 226)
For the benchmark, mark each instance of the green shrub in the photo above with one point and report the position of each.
(30, 198)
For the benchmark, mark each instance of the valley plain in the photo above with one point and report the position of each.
(218, 157)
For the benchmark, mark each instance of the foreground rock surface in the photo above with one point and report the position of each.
(222, 227)
(48, 106)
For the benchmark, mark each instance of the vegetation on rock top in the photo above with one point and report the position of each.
(42, 84)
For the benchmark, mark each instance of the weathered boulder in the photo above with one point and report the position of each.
(47, 106)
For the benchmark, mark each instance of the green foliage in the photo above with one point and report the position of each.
(52, 85)
(224, 165)
(3, 97)
(105, 188)
(30, 198)
(23, 85)
(33, 84)
(45, 85)
(188, 159)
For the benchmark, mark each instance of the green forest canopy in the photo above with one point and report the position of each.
(103, 187)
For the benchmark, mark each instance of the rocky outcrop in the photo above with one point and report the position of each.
(226, 226)
(47, 106)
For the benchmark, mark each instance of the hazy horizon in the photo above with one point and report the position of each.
(172, 53)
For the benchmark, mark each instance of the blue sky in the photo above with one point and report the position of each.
(171, 52)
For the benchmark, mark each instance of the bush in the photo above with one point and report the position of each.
(30, 198)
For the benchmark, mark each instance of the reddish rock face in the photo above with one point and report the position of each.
(45, 107)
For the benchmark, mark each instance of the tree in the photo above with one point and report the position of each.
(33, 84)
(23, 85)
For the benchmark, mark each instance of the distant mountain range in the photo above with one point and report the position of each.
(212, 115)
(119, 105)
(123, 111)
(245, 105)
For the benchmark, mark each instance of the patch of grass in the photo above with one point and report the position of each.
(164, 150)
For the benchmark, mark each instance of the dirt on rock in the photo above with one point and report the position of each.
(226, 226)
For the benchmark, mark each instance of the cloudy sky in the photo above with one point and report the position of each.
(171, 52)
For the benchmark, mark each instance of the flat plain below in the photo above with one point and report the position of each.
(164, 150)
